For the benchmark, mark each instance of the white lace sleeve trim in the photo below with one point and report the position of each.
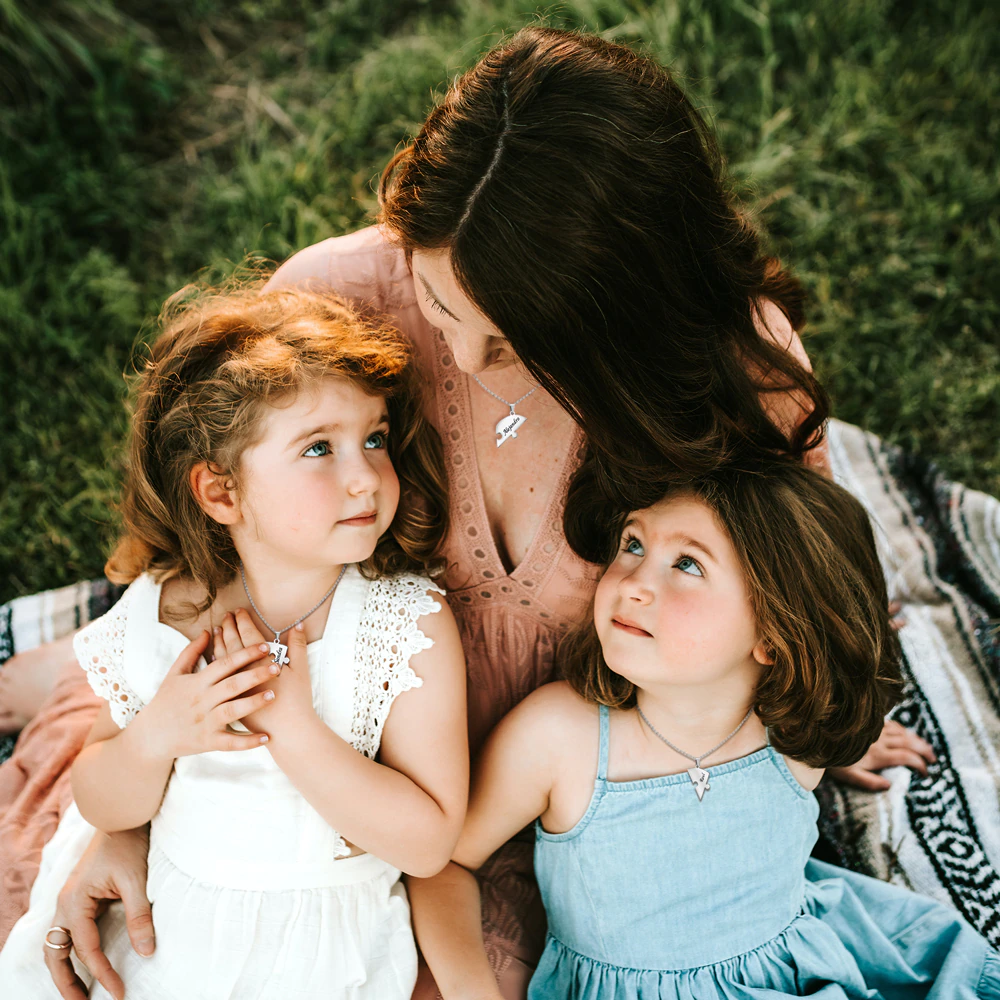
(100, 648)
(388, 636)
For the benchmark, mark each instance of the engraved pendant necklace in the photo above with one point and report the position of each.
(277, 648)
(697, 774)
(507, 427)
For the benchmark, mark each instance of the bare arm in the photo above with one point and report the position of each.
(408, 808)
(514, 777)
(120, 775)
(788, 409)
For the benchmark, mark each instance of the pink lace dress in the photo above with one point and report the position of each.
(511, 622)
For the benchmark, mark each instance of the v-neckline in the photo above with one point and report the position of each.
(455, 415)
(543, 531)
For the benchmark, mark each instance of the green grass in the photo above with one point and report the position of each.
(139, 153)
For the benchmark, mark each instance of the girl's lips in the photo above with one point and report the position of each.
(632, 629)
(361, 521)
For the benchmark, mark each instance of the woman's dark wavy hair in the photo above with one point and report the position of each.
(219, 359)
(818, 594)
(581, 198)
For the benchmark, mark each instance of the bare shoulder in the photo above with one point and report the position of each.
(554, 714)
(443, 656)
(808, 777)
(338, 264)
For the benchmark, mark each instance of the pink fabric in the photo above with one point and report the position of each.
(35, 790)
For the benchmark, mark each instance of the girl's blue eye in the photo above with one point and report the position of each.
(687, 565)
(376, 440)
(634, 547)
(317, 450)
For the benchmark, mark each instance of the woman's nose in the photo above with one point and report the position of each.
(474, 353)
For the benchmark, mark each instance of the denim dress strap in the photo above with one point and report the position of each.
(602, 758)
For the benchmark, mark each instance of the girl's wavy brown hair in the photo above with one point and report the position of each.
(583, 203)
(223, 356)
(818, 594)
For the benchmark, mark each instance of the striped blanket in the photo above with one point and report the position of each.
(940, 546)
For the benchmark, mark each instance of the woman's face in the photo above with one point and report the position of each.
(477, 345)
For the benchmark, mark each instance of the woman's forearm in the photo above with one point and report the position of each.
(448, 927)
(117, 783)
(381, 810)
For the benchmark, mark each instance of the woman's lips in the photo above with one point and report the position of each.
(361, 521)
(627, 626)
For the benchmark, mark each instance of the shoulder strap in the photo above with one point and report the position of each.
(602, 757)
(388, 635)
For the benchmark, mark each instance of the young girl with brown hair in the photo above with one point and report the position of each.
(740, 644)
(279, 460)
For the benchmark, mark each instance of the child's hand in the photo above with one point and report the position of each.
(191, 710)
(293, 686)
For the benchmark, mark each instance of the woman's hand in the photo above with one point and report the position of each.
(191, 711)
(113, 867)
(896, 747)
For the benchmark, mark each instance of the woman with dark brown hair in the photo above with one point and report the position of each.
(586, 302)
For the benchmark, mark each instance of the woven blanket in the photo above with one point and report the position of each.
(940, 546)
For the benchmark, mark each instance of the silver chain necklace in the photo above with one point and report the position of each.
(698, 775)
(507, 427)
(277, 648)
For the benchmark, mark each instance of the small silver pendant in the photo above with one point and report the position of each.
(278, 651)
(699, 778)
(507, 428)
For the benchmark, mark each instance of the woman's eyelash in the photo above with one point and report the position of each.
(437, 305)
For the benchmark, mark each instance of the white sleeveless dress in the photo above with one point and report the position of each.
(253, 896)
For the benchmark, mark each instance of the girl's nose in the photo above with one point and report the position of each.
(363, 477)
(636, 588)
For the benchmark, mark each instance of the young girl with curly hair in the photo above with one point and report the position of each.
(296, 757)
(740, 645)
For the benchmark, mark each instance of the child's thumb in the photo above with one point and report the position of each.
(297, 645)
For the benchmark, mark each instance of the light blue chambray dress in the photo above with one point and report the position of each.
(654, 895)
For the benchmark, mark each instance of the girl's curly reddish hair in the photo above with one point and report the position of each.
(220, 357)
(817, 592)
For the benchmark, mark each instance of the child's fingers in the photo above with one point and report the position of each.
(229, 664)
(230, 711)
(218, 644)
(297, 646)
(250, 635)
(228, 688)
(188, 659)
(239, 741)
(231, 635)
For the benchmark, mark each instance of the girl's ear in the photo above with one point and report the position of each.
(213, 493)
(762, 654)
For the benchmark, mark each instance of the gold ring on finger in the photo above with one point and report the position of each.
(68, 943)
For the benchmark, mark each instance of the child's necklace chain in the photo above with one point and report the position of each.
(278, 649)
(698, 775)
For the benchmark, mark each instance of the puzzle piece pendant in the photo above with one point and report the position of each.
(507, 428)
(699, 778)
(278, 651)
